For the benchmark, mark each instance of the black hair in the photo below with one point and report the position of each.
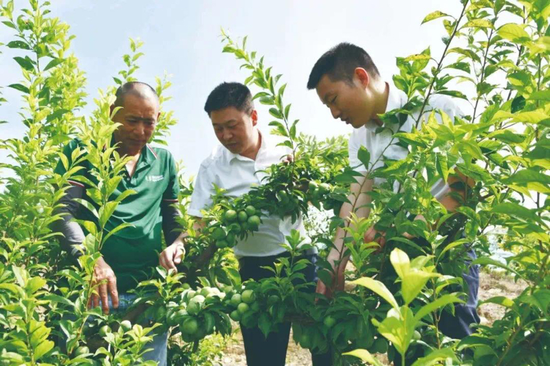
(339, 64)
(137, 88)
(226, 95)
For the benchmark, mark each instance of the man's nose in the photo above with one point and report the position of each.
(335, 112)
(139, 129)
(227, 135)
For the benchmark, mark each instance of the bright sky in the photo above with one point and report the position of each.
(183, 39)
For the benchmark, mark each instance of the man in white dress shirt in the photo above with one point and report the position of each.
(349, 84)
(236, 166)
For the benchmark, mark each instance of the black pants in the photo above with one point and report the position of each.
(271, 351)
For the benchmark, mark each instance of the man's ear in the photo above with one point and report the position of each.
(254, 116)
(362, 76)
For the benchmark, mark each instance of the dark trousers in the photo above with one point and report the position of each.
(271, 351)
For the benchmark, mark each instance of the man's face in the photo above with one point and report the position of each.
(138, 118)
(351, 104)
(234, 129)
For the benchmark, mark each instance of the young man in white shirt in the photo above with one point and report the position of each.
(236, 166)
(349, 84)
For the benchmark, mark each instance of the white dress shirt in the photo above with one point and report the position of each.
(237, 174)
(376, 143)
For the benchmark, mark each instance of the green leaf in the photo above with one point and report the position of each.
(515, 210)
(400, 262)
(42, 349)
(88, 205)
(434, 15)
(434, 305)
(275, 113)
(478, 23)
(492, 262)
(364, 355)
(379, 288)
(543, 95)
(414, 283)
(18, 44)
(442, 166)
(26, 63)
(435, 357)
(117, 229)
(531, 117)
(20, 87)
(364, 156)
(507, 136)
(53, 63)
(513, 32)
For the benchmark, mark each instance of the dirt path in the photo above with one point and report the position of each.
(492, 284)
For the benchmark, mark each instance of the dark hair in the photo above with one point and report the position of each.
(136, 88)
(227, 95)
(339, 64)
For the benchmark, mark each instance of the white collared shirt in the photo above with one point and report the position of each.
(376, 143)
(237, 174)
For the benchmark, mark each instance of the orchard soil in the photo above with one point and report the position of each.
(492, 284)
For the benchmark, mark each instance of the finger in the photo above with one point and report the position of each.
(103, 297)
(162, 260)
(178, 255)
(113, 292)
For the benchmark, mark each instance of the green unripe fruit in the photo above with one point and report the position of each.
(324, 188)
(230, 216)
(81, 351)
(222, 244)
(236, 300)
(104, 330)
(313, 185)
(416, 335)
(126, 325)
(248, 296)
(230, 239)
(218, 233)
(380, 345)
(243, 308)
(254, 222)
(272, 299)
(329, 321)
(190, 326)
(235, 315)
(179, 316)
(255, 306)
(195, 304)
(305, 340)
(250, 210)
(242, 216)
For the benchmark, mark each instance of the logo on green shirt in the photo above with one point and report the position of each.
(154, 178)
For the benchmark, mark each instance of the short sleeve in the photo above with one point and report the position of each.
(173, 188)
(202, 192)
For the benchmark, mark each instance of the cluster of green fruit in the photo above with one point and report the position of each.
(198, 313)
(235, 223)
(243, 306)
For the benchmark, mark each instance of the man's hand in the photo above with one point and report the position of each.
(105, 279)
(337, 275)
(172, 256)
(372, 235)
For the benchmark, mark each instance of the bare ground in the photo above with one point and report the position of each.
(491, 284)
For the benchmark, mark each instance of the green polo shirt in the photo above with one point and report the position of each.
(133, 252)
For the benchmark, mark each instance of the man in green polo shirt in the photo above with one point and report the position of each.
(131, 254)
